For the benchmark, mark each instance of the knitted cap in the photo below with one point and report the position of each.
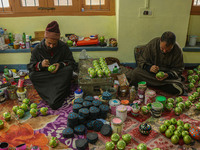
(52, 31)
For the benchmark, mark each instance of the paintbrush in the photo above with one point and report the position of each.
(44, 58)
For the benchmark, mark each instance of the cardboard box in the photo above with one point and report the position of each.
(39, 35)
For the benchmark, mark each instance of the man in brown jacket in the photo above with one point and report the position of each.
(160, 54)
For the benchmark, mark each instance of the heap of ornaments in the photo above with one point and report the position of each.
(175, 130)
(143, 146)
(177, 104)
(25, 106)
(121, 144)
(193, 77)
(88, 114)
(180, 105)
(100, 69)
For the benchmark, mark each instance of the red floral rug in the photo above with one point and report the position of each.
(37, 131)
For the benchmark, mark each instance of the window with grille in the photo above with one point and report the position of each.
(195, 10)
(98, 5)
(57, 7)
(63, 2)
(5, 6)
(196, 3)
(95, 2)
(28, 3)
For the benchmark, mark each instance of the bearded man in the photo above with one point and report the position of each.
(53, 87)
(160, 54)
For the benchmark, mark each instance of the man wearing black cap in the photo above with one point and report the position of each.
(53, 87)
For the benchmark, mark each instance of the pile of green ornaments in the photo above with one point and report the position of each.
(193, 77)
(179, 105)
(121, 144)
(175, 130)
(100, 69)
(25, 106)
(143, 146)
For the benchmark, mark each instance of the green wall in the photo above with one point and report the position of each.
(135, 30)
(80, 25)
(194, 26)
(130, 29)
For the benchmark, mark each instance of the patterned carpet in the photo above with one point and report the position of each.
(38, 130)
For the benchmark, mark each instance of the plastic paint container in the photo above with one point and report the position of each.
(121, 112)
(78, 93)
(193, 40)
(161, 99)
(113, 105)
(149, 96)
(21, 95)
(12, 92)
(156, 109)
(117, 125)
(141, 90)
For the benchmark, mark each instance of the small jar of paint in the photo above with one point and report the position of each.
(161, 99)
(113, 105)
(121, 112)
(141, 90)
(117, 125)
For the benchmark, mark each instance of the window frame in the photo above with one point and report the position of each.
(195, 10)
(18, 11)
(7, 10)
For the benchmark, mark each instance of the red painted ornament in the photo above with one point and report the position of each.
(194, 132)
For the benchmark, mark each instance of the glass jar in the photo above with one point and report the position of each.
(132, 94)
(117, 125)
(141, 90)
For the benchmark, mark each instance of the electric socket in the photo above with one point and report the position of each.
(146, 12)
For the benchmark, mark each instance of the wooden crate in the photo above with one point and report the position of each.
(92, 86)
(39, 35)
